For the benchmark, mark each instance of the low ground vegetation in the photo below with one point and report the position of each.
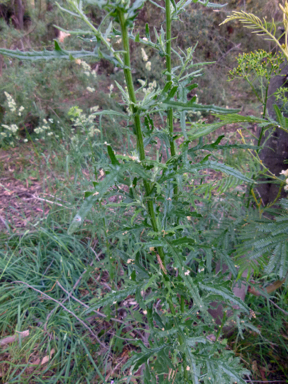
(117, 287)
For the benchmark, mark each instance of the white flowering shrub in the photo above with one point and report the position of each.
(10, 132)
(13, 128)
(25, 113)
(14, 131)
(84, 127)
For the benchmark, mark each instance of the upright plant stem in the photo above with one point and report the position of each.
(137, 122)
(169, 75)
(169, 78)
(140, 143)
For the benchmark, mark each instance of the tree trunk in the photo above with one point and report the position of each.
(19, 13)
(275, 151)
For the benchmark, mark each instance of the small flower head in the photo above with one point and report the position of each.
(285, 173)
(11, 102)
(144, 55)
(148, 65)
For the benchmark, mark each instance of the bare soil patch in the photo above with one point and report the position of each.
(20, 185)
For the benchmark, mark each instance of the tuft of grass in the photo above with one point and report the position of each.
(265, 353)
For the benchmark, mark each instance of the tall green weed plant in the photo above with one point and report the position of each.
(161, 220)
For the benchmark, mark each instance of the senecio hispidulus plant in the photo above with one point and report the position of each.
(170, 271)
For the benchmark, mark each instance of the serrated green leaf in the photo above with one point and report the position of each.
(191, 106)
(109, 112)
(236, 118)
(112, 156)
(183, 240)
(141, 357)
(86, 207)
(147, 31)
(225, 169)
(192, 341)
(112, 297)
(222, 291)
(57, 53)
(200, 130)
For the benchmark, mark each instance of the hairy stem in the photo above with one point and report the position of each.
(137, 122)
(169, 78)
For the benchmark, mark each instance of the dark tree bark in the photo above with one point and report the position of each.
(275, 151)
(19, 13)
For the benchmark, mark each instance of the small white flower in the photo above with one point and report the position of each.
(94, 109)
(25, 140)
(90, 89)
(85, 66)
(148, 65)
(187, 273)
(11, 102)
(285, 173)
(144, 55)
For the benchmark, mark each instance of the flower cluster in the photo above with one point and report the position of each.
(285, 173)
(90, 89)
(282, 99)
(11, 102)
(151, 86)
(87, 69)
(259, 63)
(145, 58)
(10, 130)
(44, 129)
(84, 125)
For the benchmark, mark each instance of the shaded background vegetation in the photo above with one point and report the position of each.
(49, 90)
(44, 95)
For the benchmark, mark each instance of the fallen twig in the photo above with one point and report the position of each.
(11, 339)
(69, 295)
(65, 309)
(269, 289)
(47, 201)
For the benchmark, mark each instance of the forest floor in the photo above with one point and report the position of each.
(29, 189)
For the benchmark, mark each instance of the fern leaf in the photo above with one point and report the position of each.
(260, 27)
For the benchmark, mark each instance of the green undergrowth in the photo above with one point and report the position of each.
(147, 224)
(56, 286)
(265, 354)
